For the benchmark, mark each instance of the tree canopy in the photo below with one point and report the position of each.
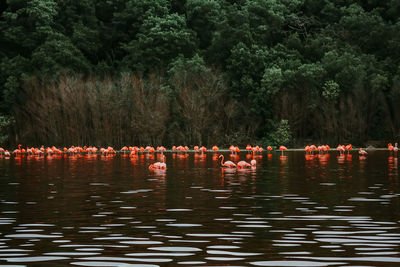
(324, 70)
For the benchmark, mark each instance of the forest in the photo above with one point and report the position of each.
(204, 72)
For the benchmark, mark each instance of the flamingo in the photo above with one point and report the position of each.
(150, 149)
(237, 150)
(390, 147)
(327, 147)
(281, 148)
(322, 149)
(269, 148)
(313, 147)
(348, 148)
(257, 149)
(243, 164)
(17, 151)
(253, 162)
(202, 149)
(215, 148)
(228, 163)
(158, 165)
(362, 152)
(181, 149)
(395, 148)
(248, 148)
(161, 149)
(341, 149)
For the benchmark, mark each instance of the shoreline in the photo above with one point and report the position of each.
(208, 151)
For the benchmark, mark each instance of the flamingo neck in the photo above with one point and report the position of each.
(222, 159)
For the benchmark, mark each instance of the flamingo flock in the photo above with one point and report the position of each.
(183, 150)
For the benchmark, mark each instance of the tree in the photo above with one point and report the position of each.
(200, 93)
(202, 17)
(160, 40)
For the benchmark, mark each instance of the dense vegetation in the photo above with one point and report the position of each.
(199, 71)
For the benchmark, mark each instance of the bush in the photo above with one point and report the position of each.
(282, 135)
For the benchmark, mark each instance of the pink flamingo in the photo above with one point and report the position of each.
(228, 163)
(327, 147)
(282, 148)
(203, 149)
(17, 151)
(150, 149)
(348, 148)
(243, 164)
(253, 162)
(248, 148)
(158, 165)
(390, 147)
(161, 149)
(215, 148)
(341, 149)
(362, 152)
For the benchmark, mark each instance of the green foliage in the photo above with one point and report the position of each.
(128, 20)
(282, 134)
(159, 41)
(202, 17)
(272, 80)
(330, 90)
(245, 67)
(266, 18)
(329, 67)
(5, 123)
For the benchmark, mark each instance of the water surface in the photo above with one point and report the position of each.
(292, 210)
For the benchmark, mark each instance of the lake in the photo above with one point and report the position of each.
(291, 210)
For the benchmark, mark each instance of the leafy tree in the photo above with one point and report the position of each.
(266, 18)
(129, 18)
(232, 29)
(282, 134)
(160, 40)
(202, 17)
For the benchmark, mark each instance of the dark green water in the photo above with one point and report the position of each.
(292, 210)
